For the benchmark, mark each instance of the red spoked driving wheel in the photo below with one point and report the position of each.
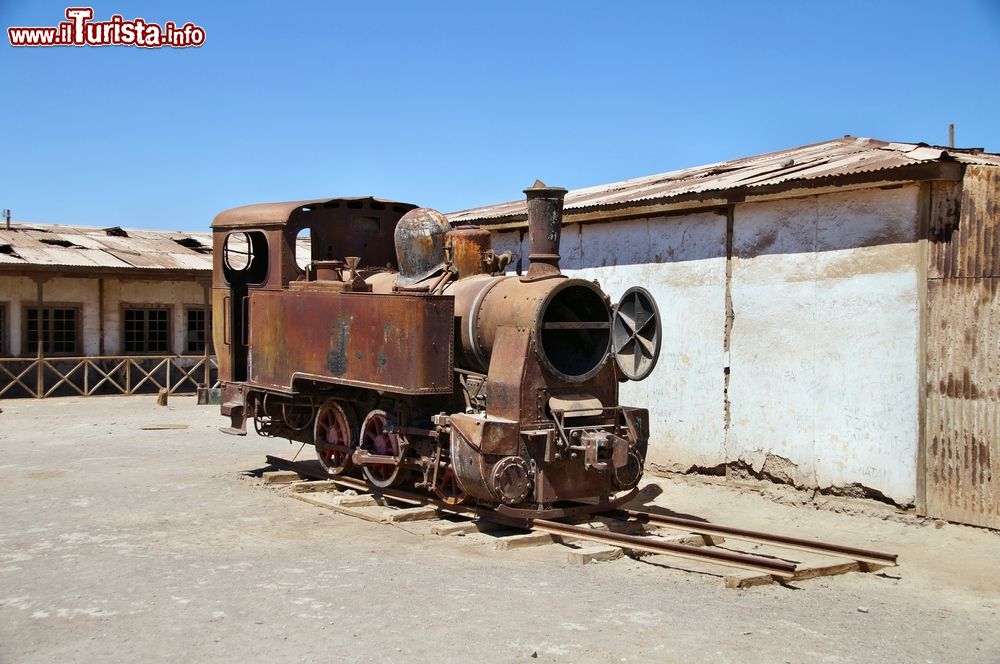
(448, 489)
(377, 439)
(333, 435)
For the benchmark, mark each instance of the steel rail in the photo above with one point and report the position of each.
(773, 566)
(307, 470)
(784, 541)
(641, 516)
(776, 567)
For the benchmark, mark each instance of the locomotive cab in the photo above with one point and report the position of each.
(256, 248)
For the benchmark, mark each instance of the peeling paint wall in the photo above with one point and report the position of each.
(681, 260)
(824, 356)
(18, 292)
(823, 349)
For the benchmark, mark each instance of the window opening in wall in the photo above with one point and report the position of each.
(196, 330)
(147, 330)
(59, 330)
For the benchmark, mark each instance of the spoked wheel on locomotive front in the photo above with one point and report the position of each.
(380, 439)
(334, 434)
(447, 488)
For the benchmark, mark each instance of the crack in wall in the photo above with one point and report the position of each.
(772, 472)
(728, 331)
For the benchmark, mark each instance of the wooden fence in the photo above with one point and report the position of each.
(117, 374)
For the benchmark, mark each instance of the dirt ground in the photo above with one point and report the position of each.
(121, 544)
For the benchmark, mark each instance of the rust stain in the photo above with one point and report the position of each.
(340, 334)
(963, 355)
(348, 348)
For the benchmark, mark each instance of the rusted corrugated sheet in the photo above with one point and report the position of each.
(945, 206)
(841, 157)
(68, 257)
(970, 248)
(963, 350)
(963, 403)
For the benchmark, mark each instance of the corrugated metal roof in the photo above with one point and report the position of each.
(86, 247)
(811, 163)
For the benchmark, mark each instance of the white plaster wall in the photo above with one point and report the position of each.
(681, 261)
(824, 347)
(19, 291)
(823, 351)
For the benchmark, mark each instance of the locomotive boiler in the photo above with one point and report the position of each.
(402, 347)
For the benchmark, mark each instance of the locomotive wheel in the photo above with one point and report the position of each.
(375, 439)
(335, 426)
(628, 476)
(448, 489)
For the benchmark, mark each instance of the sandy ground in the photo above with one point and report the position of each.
(119, 544)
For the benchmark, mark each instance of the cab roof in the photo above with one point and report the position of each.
(278, 214)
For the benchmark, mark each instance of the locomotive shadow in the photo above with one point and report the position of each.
(650, 493)
(270, 468)
(259, 472)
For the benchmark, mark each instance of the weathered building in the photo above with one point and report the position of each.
(830, 314)
(103, 311)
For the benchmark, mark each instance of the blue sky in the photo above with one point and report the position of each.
(457, 104)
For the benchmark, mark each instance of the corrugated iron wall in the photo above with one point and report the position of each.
(962, 434)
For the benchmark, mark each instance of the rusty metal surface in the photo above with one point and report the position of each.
(962, 433)
(102, 249)
(276, 214)
(337, 229)
(963, 400)
(814, 164)
(540, 337)
(220, 338)
(398, 343)
(469, 294)
(332, 332)
(965, 225)
(545, 309)
(469, 246)
(545, 206)
(419, 241)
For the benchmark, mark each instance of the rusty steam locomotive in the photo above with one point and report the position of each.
(403, 349)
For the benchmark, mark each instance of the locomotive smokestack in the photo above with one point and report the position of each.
(545, 206)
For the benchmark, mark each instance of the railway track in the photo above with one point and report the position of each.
(779, 566)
